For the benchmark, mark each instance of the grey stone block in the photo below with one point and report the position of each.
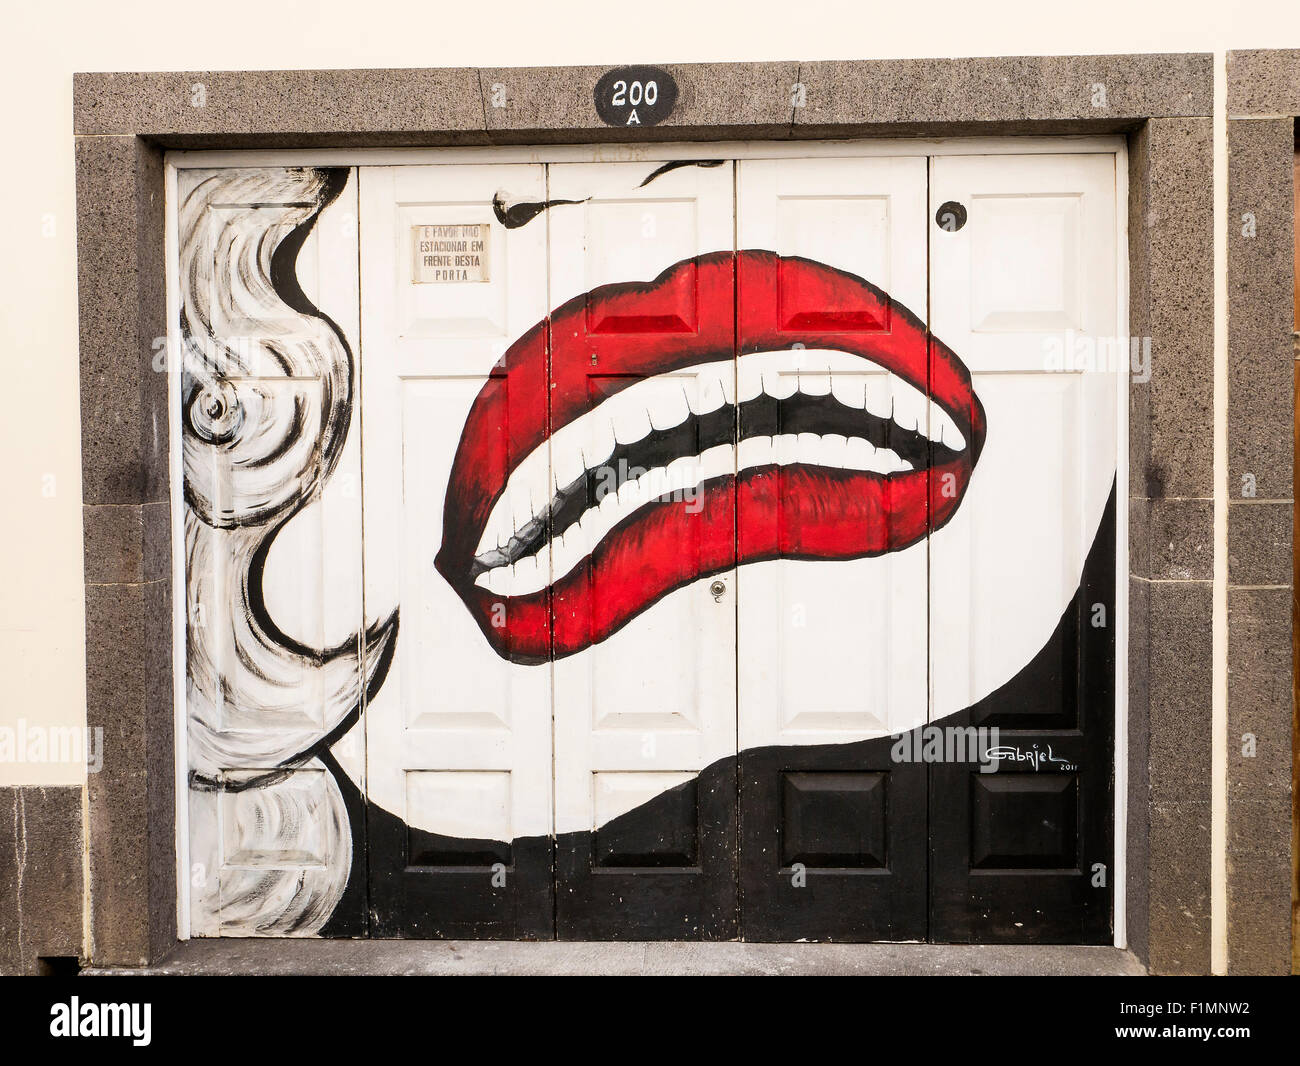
(121, 302)
(119, 868)
(1264, 81)
(1180, 888)
(116, 684)
(749, 99)
(1181, 690)
(127, 542)
(1014, 89)
(107, 298)
(1261, 365)
(1259, 887)
(113, 541)
(1259, 676)
(51, 901)
(1259, 786)
(40, 875)
(1180, 540)
(1259, 905)
(270, 107)
(1172, 418)
(1259, 542)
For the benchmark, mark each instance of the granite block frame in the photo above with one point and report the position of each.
(1262, 108)
(1161, 103)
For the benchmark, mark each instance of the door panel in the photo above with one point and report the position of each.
(832, 596)
(267, 515)
(1022, 578)
(641, 415)
(459, 736)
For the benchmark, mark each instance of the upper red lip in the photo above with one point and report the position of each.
(786, 512)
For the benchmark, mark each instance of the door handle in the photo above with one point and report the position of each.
(718, 589)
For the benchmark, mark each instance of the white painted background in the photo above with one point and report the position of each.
(41, 596)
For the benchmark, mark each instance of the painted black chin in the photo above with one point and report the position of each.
(763, 416)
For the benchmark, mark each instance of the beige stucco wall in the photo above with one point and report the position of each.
(41, 616)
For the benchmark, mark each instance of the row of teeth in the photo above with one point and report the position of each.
(680, 481)
(666, 400)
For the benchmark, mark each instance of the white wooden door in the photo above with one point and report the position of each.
(833, 649)
(641, 273)
(459, 736)
(1022, 577)
(273, 544)
(835, 431)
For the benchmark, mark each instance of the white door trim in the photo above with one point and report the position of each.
(601, 153)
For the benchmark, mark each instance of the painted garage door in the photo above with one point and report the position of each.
(684, 549)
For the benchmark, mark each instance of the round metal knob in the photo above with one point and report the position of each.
(718, 588)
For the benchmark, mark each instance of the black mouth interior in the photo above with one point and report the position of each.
(763, 416)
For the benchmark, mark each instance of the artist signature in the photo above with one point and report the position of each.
(1037, 759)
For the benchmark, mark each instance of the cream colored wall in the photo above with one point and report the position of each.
(41, 616)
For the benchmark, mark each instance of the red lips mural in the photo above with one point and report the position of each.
(700, 311)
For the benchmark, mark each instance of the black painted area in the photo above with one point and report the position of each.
(1012, 853)
(664, 871)
(890, 850)
(855, 821)
(678, 164)
(350, 917)
(433, 887)
(513, 216)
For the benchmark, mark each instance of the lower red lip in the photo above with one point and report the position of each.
(793, 511)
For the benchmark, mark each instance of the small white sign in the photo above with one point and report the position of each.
(458, 251)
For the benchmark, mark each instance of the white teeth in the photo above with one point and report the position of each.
(630, 425)
(520, 502)
(600, 442)
(665, 401)
(910, 409)
(780, 384)
(728, 378)
(708, 395)
(670, 407)
(754, 451)
(815, 382)
(889, 462)
(851, 389)
(571, 465)
(858, 453)
(751, 383)
(529, 572)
